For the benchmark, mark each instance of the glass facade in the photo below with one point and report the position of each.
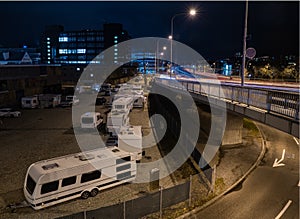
(79, 47)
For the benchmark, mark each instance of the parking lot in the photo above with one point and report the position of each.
(45, 133)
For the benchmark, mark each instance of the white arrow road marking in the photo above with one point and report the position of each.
(284, 209)
(296, 140)
(277, 163)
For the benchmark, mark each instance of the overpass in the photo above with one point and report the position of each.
(276, 108)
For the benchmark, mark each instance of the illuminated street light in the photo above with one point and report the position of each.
(157, 55)
(192, 12)
(244, 46)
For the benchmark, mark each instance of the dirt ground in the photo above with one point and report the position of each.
(46, 133)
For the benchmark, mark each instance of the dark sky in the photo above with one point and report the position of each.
(216, 32)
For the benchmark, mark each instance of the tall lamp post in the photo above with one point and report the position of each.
(157, 56)
(244, 46)
(192, 12)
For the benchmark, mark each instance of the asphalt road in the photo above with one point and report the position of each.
(268, 192)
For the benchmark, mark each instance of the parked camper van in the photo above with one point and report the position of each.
(130, 140)
(91, 120)
(115, 120)
(49, 100)
(57, 180)
(30, 102)
(122, 104)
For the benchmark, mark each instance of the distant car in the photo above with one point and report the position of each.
(9, 112)
(112, 141)
(69, 101)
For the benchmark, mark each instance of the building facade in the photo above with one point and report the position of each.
(81, 47)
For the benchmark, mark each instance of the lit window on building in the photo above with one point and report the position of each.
(116, 41)
(48, 50)
(116, 37)
(63, 39)
(48, 47)
(115, 62)
(48, 62)
(49, 54)
(78, 69)
(81, 51)
(63, 51)
(116, 50)
(48, 57)
(116, 45)
(48, 38)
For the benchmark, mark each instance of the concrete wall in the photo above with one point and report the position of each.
(234, 130)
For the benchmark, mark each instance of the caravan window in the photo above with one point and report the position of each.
(49, 187)
(124, 175)
(124, 167)
(68, 181)
(30, 184)
(119, 106)
(123, 159)
(87, 120)
(90, 176)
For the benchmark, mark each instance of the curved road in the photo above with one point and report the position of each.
(268, 192)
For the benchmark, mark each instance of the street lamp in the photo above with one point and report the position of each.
(192, 12)
(157, 56)
(244, 46)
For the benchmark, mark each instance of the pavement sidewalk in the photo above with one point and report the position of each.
(234, 164)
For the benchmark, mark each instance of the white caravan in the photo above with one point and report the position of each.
(133, 91)
(122, 105)
(30, 102)
(115, 120)
(60, 179)
(49, 100)
(90, 120)
(130, 140)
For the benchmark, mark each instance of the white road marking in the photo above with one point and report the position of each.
(277, 163)
(296, 140)
(284, 209)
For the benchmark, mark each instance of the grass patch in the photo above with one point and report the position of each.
(248, 124)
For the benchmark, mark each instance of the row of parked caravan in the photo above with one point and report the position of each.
(121, 133)
(129, 138)
(47, 101)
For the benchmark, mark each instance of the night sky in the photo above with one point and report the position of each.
(216, 32)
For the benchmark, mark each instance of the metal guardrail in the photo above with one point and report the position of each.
(272, 101)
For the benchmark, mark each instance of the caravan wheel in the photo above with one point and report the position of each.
(85, 195)
(94, 192)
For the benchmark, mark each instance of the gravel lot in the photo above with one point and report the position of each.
(45, 133)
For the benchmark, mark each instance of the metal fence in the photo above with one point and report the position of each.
(280, 102)
(139, 207)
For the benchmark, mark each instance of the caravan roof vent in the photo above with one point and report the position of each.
(50, 166)
(84, 157)
(115, 150)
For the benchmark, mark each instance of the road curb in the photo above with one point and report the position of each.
(257, 162)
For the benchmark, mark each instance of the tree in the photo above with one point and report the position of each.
(290, 72)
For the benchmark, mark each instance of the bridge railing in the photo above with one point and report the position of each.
(273, 101)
